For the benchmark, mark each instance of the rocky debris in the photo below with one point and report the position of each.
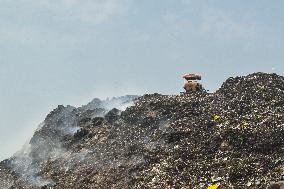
(6, 176)
(233, 136)
(112, 115)
(277, 185)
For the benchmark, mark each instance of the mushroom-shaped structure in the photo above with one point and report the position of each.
(190, 76)
(192, 85)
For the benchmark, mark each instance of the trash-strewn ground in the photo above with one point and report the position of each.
(234, 136)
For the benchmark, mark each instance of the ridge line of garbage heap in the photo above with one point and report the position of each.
(232, 138)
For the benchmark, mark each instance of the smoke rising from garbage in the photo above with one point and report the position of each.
(191, 140)
(49, 140)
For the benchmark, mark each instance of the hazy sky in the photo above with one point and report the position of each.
(70, 51)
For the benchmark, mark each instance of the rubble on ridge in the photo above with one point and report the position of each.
(233, 136)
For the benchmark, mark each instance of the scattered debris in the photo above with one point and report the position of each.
(233, 136)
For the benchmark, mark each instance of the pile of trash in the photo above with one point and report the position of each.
(232, 138)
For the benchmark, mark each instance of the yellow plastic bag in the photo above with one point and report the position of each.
(245, 124)
(216, 118)
(214, 186)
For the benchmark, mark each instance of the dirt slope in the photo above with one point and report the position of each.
(234, 136)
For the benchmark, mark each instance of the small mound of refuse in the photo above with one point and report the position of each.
(233, 138)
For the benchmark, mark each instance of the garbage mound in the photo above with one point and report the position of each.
(232, 138)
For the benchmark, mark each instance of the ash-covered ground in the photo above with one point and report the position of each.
(234, 136)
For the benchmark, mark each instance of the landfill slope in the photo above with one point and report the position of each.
(233, 136)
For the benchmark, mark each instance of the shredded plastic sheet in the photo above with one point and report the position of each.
(214, 186)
